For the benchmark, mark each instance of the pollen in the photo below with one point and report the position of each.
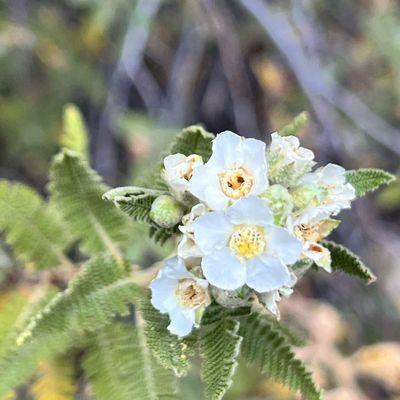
(236, 183)
(248, 241)
(190, 294)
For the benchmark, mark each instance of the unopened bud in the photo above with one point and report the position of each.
(280, 201)
(308, 196)
(166, 211)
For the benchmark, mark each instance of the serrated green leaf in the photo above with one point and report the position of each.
(76, 192)
(299, 122)
(98, 292)
(366, 180)
(170, 350)
(74, 136)
(346, 261)
(219, 347)
(120, 367)
(31, 227)
(269, 349)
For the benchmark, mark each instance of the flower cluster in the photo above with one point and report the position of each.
(256, 215)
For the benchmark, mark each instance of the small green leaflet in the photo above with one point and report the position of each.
(366, 180)
(346, 261)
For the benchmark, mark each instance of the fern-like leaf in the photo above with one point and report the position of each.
(98, 293)
(76, 192)
(266, 347)
(120, 367)
(346, 261)
(74, 135)
(55, 381)
(171, 351)
(31, 227)
(134, 201)
(366, 180)
(219, 346)
(299, 122)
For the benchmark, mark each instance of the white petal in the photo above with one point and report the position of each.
(266, 273)
(254, 155)
(214, 197)
(332, 171)
(270, 300)
(173, 160)
(199, 181)
(227, 150)
(174, 268)
(182, 321)
(250, 210)
(223, 270)
(211, 231)
(162, 289)
(284, 245)
(260, 181)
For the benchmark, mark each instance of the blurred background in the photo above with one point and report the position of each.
(139, 71)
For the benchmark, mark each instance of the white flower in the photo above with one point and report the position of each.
(287, 160)
(242, 246)
(178, 170)
(236, 169)
(338, 195)
(179, 294)
(310, 233)
(271, 299)
(187, 248)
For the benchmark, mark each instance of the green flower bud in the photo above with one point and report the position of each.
(231, 298)
(280, 201)
(308, 196)
(166, 211)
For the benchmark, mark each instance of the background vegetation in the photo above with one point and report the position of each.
(141, 70)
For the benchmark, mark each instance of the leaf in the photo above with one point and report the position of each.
(120, 367)
(74, 136)
(299, 122)
(171, 351)
(267, 348)
(193, 140)
(366, 180)
(219, 347)
(31, 227)
(98, 292)
(136, 202)
(76, 192)
(346, 261)
(55, 381)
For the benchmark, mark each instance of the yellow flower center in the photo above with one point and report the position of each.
(236, 183)
(190, 294)
(247, 241)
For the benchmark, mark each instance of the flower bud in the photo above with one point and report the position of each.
(308, 196)
(166, 211)
(280, 201)
(231, 298)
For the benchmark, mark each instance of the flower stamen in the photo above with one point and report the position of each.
(236, 183)
(247, 241)
(190, 294)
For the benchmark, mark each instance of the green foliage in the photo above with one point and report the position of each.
(97, 293)
(346, 261)
(265, 346)
(193, 140)
(74, 136)
(219, 346)
(134, 201)
(76, 192)
(299, 122)
(171, 351)
(120, 367)
(31, 227)
(366, 180)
